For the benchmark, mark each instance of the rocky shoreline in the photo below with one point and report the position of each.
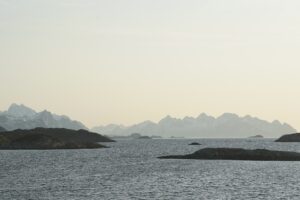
(51, 138)
(238, 154)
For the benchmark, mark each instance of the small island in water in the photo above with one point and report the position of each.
(51, 138)
(295, 137)
(135, 136)
(256, 136)
(238, 154)
(194, 143)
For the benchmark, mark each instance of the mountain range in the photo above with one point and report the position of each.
(23, 117)
(224, 126)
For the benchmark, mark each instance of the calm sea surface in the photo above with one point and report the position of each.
(130, 170)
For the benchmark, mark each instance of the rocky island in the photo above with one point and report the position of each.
(194, 143)
(295, 137)
(51, 138)
(144, 137)
(238, 154)
(134, 136)
(256, 136)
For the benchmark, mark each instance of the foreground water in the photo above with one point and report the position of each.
(130, 170)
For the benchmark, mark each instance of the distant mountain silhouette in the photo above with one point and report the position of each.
(23, 117)
(224, 126)
(2, 129)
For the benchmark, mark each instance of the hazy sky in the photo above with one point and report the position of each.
(124, 61)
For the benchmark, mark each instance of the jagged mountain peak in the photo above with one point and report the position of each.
(20, 110)
(23, 117)
(168, 119)
(147, 122)
(45, 113)
(188, 118)
(228, 115)
(276, 122)
(202, 115)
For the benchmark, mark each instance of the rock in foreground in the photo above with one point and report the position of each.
(238, 154)
(44, 138)
(295, 137)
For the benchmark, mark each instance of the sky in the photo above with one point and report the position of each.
(126, 61)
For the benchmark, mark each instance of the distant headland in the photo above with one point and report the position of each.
(51, 138)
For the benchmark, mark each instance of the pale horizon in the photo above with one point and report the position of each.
(123, 62)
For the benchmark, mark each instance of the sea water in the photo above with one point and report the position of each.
(129, 169)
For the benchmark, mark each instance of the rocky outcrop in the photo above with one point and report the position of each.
(295, 137)
(43, 138)
(238, 154)
(144, 137)
(256, 136)
(194, 143)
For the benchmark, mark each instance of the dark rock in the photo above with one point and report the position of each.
(257, 136)
(44, 138)
(156, 137)
(238, 154)
(174, 137)
(295, 137)
(194, 143)
(144, 137)
(36, 141)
